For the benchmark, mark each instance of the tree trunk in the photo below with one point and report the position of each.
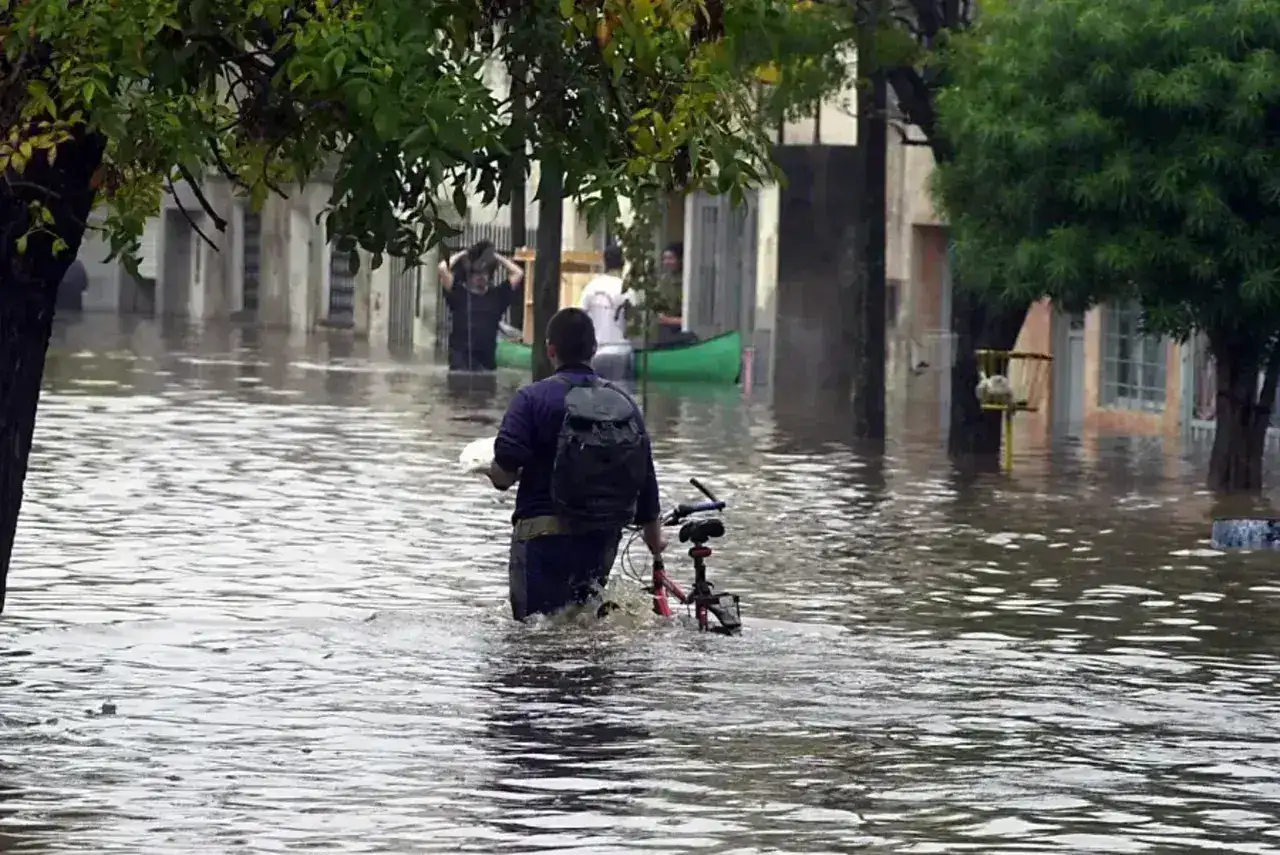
(1242, 414)
(519, 195)
(546, 268)
(973, 439)
(28, 293)
(868, 386)
(977, 324)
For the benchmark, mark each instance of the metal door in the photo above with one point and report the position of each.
(252, 261)
(722, 255)
(400, 309)
(1068, 372)
(342, 287)
(177, 265)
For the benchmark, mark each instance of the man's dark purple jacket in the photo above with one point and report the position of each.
(527, 443)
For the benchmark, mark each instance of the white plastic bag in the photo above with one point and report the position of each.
(476, 456)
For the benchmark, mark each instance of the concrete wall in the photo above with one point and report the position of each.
(195, 280)
(762, 350)
(815, 240)
(177, 275)
(198, 282)
(105, 277)
(373, 300)
(835, 122)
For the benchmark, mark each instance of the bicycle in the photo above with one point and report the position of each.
(702, 597)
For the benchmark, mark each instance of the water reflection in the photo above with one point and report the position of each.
(1044, 661)
(563, 744)
(470, 391)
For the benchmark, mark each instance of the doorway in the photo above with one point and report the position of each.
(721, 258)
(1068, 373)
(177, 265)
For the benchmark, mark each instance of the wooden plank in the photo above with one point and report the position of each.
(576, 270)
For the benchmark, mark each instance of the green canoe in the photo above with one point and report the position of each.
(712, 360)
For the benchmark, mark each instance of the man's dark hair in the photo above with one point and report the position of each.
(613, 258)
(480, 258)
(572, 334)
(676, 248)
(479, 249)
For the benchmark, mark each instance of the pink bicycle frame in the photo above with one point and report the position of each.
(664, 584)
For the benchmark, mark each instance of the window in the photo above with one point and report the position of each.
(1205, 385)
(1133, 364)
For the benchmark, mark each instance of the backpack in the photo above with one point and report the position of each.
(602, 457)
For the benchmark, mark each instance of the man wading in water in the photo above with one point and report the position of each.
(578, 446)
(476, 305)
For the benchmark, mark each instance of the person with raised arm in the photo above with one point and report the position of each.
(476, 304)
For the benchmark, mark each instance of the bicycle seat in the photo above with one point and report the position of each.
(700, 531)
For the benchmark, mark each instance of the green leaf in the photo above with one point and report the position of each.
(385, 120)
(38, 92)
(338, 59)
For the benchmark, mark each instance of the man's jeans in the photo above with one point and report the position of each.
(552, 572)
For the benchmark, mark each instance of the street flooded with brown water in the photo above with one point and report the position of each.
(256, 607)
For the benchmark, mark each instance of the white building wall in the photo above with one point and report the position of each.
(103, 291)
(299, 269)
(379, 302)
(762, 360)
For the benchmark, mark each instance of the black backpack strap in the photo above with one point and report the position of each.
(609, 384)
(574, 384)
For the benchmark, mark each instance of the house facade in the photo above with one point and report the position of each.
(278, 267)
(1108, 377)
(275, 267)
(769, 269)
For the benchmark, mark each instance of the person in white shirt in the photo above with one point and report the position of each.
(605, 301)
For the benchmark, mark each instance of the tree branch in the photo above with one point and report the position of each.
(230, 174)
(27, 185)
(218, 222)
(173, 191)
(915, 99)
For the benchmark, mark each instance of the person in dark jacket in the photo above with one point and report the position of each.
(551, 565)
(476, 304)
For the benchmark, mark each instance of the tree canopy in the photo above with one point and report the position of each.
(1121, 151)
(1126, 152)
(392, 98)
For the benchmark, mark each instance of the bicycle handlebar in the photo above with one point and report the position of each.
(687, 509)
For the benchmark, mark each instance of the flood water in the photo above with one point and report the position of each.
(255, 607)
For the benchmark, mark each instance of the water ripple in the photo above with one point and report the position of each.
(255, 607)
